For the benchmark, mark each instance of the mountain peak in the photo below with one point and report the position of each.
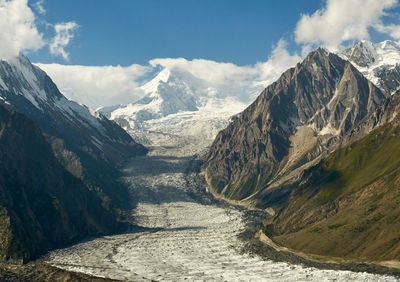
(389, 44)
(379, 62)
(318, 53)
(320, 56)
(367, 54)
(362, 53)
(27, 89)
(152, 85)
(295, 119)
(322, 50)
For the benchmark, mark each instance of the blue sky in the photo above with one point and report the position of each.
(125, 32)
(100, 52)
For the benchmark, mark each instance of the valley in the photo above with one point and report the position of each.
(144, 172)
(199, 140)
(185, 234)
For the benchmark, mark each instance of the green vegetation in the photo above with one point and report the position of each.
(356, 166)
(349, 205)
(246, 187)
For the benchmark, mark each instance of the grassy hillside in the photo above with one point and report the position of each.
(348, 205)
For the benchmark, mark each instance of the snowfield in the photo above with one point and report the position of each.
(183, 240)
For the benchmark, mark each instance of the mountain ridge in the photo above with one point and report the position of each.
(42, 206)
(379, 62)
(85, 142)
(292, 123)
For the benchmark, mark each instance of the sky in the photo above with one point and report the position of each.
(126, 32)
(99, 52)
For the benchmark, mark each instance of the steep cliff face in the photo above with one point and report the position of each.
(290, 126)
(384, 114)
(42, 206)
(86, 143)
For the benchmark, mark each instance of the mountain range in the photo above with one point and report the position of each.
(291, 125)
(318, 149)
(378, 62)
(178, 107)
(290, 151)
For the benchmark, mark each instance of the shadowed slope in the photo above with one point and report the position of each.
(42, 206)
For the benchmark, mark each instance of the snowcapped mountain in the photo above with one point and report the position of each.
(27, 89)
(168, 93)
(378, 62)
(176, 104)
(86, 143)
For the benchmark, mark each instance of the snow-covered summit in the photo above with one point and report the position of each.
(20, 78)
(170, 92)
(152, 85)
(178, 107)
(369, 55)
(27, 89)
(379, 62)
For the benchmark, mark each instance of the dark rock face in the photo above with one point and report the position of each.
(86, 143)
(42, 206)
(290, 126)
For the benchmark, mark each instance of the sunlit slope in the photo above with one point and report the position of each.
(349, 204)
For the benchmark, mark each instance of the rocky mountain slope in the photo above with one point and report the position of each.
(85, 142)
(292, 124)
(379, 62)
(348, 204)
(42, 206)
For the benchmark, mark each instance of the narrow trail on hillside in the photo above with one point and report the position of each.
(186, 237)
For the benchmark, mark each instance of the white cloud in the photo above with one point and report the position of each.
(242, 82)
(17, 29)
(97, 86)
(39, 7)
(391, 29)
(214, 72)
(64, 34)
(279, 61)
(226, 78)
(343, 20)
(112, 85)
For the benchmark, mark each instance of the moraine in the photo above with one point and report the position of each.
(183, 239)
